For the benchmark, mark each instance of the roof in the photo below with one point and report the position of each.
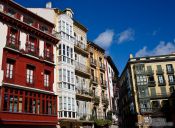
(96, 46)
(24, 10)
(110, 61)
(80, 25)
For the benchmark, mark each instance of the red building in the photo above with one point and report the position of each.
(27, 68)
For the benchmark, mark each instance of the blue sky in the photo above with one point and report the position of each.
(140, 27)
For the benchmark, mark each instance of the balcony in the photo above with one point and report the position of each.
(93, 62)
(151, 83)
(159, 96)
(150, 72)
(83, 94)
(102, 66)
(103, 84)
(105, 101)
(84, 117)
(170, 71)
(12, 43)
(171, 82)
(94, 80)
(82, 69)
(162, 84)
(32, 50)
(80, 47)
(159, 71)
(96, 100)
(150, 110)
(49, 56)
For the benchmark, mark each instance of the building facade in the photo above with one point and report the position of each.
(82, 76)
(72, 72)
(27, 68)
(112, 89)
(98, 81)
(145, 87)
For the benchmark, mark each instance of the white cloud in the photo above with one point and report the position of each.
(161, 49)
(105, 38)
(126, 35)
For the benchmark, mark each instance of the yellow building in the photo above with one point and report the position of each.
(98, 81)
(145, 86)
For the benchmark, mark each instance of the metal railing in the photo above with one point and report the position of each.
(82, 67)
(84, 116)
(83, 92)
(80, 45)
(159, 95)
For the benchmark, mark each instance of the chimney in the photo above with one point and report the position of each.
(49, 4)
(130, 56)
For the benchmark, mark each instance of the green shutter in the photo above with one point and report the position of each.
(153, 91)
(163, 90)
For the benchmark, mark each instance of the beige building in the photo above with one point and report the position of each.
(98, 81)
(145, 86)
(82, 76)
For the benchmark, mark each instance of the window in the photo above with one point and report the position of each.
(101, 77)
(92, 73)
(141, 80)
(64, 53)
(67, 28)
(30, 75)
(143, 92)
(46, 78)
(68, 76)
(139, 69)
(65, 101)
(12, 37)
(171, 78)
(63, 25)
(59, 49)
(70, 30)
(159, 69)
(60, 74)
(69, 103)
(64, 75)
(31, 44)
(48, 51)
(160, 79)
(60, 103)
(155, 104)
(9, 69)
(169, 68)
(73, 104)
(72, 77)
(71, 55)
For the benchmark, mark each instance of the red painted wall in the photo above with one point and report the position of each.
(21, 61)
